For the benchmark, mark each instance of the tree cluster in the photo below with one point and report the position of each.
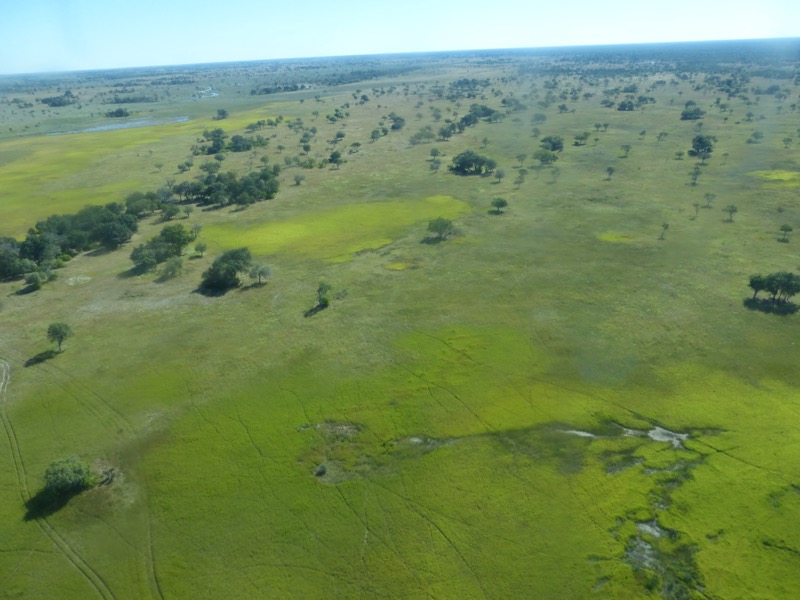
(223, 274)
(214, 142)
(170, 242)
(781, 285)
(477, 112)
(46, 244)
(472, 163)
(223, 189)
(692, 112)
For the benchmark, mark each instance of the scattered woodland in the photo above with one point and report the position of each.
(462, 325)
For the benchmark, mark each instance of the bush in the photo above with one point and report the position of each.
(222, 275)
(69, 475)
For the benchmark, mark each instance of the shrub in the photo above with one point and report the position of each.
(69, 475)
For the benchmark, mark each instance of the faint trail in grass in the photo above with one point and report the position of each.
(367, 529)
(452, 544)
(483, 422)
(247, 431)
(727, 453)
(299, 401)
(92, 577)
(424, 380)
(101, 407)
(152, 555)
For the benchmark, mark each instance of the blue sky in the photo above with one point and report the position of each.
(55, 35)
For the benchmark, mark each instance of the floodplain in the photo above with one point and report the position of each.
(570, 397)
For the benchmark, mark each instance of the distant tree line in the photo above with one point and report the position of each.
(130, 99)
(477, 112)
(222, 189)
(215, 142)
(64, 99)
(277, 89)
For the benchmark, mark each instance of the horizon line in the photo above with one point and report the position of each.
(399, 54)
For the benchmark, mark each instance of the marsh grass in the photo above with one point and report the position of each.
(564, 314)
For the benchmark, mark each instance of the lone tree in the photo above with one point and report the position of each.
(441, 227)
(786, 229)
(323, 289)
(730, 209)
(702, 146)
(610, 172)
(664, 227)
(58, 332)
(260, 272)
(68, 476)
(499, 204)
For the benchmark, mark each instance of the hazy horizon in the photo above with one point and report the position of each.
(776, 40)
(49, 36)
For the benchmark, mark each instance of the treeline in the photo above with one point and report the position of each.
(56, 239)
(59, 237)
(222, 189)
(477, 112)
(277, 89)
(130, 99)
(64, 99)
(214, 141)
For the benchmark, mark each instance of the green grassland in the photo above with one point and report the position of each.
(475, 418)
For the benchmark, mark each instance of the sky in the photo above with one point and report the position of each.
(66, 35)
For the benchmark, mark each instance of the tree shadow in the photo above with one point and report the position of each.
(432, 240)
(314, 310)
(40, 358)
(28, 289)
(252, 286)
(211, 292)
(101, 251)
(46, 503)
(766, 305)
(134, 271)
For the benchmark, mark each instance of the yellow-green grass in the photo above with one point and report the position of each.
(778, 178)
(57, 174)
(335, 234)
(457, 388)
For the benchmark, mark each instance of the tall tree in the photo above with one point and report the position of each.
(58, 332)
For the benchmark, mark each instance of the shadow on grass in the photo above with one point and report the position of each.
(432, 240)
(767, 306)
(211, 292)
(252, 286)
(46, 503)
(314, 310)
(40, 358)
(28, 289)
(101, 251)
(132, 272)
